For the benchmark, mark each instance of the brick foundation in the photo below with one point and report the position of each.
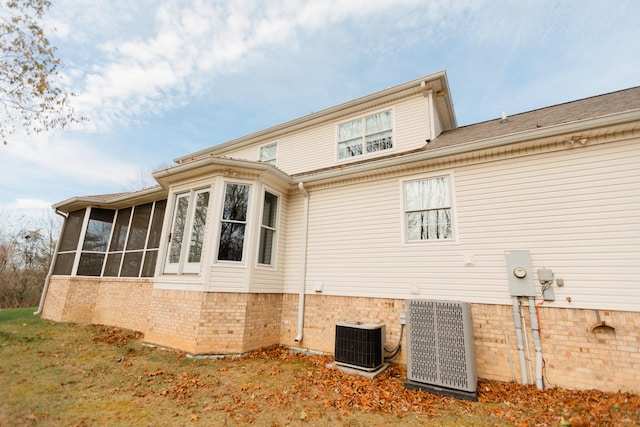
(213, 323)
(576, 354)
(114, 302)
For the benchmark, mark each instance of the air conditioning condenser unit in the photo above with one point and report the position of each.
(360, 345)
(440, 348)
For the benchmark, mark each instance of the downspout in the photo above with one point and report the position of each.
(519, 342)
(536, 342)
(303, 274)
(50, 273)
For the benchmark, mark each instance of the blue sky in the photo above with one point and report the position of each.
(162, 78)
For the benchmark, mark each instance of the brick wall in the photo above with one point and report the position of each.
(575, 355)
(113, 302)
(123, 303)
(213, 323)
(55, 299)
(70, 299)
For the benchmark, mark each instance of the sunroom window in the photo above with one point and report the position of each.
(69, 243)
(135, 240)
(268, 228)
(365, 135)
(428, 213)
(96, 242)
(122, 243)
(234, 222)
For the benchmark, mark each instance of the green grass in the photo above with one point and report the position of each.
(56, 374)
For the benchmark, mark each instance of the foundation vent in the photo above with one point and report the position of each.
(360, 346)
(440, 354)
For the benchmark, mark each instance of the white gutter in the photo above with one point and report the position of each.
(303, 273)
(50, 273)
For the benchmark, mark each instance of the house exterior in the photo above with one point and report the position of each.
(344, 214)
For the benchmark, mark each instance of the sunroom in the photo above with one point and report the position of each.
(145, 260)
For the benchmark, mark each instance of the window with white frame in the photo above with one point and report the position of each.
(427, 206)
(365, 135)
(187, 232)
(268, 228)
(269, 153)
(234, 222)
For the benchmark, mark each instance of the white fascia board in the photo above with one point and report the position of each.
(115, 202)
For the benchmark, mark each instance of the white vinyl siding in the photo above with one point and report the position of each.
(575, 211)
(318, 143)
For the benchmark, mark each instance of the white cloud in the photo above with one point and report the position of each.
(67, 158)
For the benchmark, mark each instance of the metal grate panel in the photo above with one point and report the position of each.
(360, 346)
(440, 344)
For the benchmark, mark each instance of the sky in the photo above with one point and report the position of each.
(159, 79)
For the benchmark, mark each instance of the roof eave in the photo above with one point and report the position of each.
(126, 199)
(166, 177)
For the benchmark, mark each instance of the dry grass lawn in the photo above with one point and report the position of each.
(54, 374)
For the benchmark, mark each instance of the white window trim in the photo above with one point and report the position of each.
(248, 235)
(276, 235)
(364, 151)
(454, 217)
(184, 267)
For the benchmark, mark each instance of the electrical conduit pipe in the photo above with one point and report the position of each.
(303, 273)
(519, 342)
(536, 342)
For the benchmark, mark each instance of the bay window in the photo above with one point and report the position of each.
(234, 222)
(268, 228)
(187, 232)
(428, 209)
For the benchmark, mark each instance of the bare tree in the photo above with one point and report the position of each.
(30, 95)
(25, 255)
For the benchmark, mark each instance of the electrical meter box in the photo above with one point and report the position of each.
(519, 273)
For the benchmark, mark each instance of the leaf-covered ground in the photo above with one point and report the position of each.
(60, 374)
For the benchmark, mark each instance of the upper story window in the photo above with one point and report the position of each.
(269, 153)
(268, 229)
(234, 222)
(428, 209)
(365, 135)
